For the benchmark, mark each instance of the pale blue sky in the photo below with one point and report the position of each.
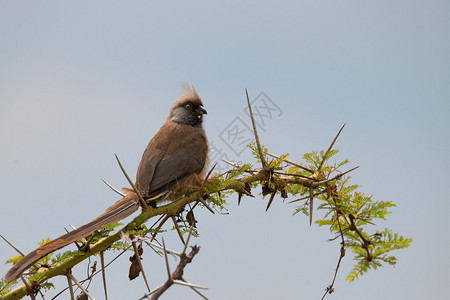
(80, 81)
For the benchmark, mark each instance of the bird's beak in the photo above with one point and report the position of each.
(201, 110)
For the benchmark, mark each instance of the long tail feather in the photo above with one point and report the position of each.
(116, 212)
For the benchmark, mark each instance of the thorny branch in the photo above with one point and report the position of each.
(276, 182)
(177, 275)
(331, 189)
(366, 242)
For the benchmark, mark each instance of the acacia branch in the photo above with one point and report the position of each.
(170, 209)
(147, 213)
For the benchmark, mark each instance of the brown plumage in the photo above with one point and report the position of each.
(173, 164)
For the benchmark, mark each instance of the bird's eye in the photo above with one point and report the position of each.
(199, 116)
(188, 106)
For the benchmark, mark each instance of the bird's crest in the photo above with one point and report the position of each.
(189, 94)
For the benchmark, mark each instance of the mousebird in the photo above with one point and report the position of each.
(173, 164)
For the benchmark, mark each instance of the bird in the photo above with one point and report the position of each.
(172, 165)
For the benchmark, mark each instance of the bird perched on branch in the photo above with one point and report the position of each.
(173, 164)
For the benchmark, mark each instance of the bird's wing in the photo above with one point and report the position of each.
(176, 150)
(153, 154)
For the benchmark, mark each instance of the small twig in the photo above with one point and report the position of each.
(30, 292)
(152, 244)
(187, 240)
(304, 198)
(200, 191)
(159, 219)
(176, 276)
(93, 269)
(296, 175)
(72, 295)
(202, 201)
(354, 228)
(178, 229)
(200, 294)
(366, 242)
(339, 224)
(237, 166)
(138, 258)
(329, 148)
(69, 275)
(141, 199)
(191, 285)
(311, 183)
(113, 188)
(330, 288)
(166, 259)
(292, 163)
(166, 217)
(102, 262)
(230, 163)
(263, 161)
(244, 191)
(316, 184)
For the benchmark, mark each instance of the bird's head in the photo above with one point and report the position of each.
(188, 109)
